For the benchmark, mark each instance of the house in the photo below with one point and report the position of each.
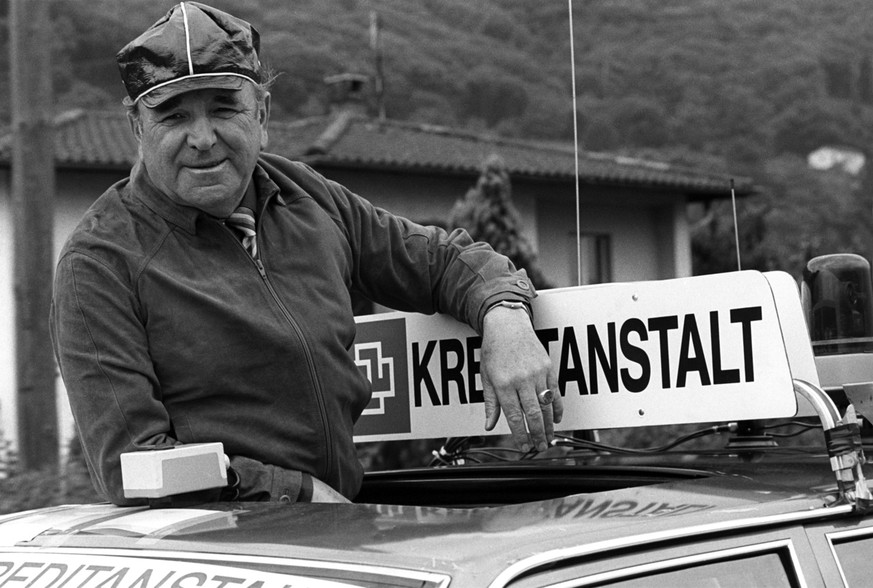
(633, 223)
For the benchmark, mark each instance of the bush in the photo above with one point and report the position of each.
(28, 489)
(49, 487)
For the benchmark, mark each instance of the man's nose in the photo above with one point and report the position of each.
(201, 134)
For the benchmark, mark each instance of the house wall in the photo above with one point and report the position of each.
(649, 235)
(648, 230)
(76, 190)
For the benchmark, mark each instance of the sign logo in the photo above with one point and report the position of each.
(380, 354)
(380, 371)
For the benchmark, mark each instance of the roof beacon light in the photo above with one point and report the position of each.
(176, 470)
(837, 297)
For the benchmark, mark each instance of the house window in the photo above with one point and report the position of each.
(595, 253)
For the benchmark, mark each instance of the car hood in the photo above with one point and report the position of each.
(473, 546)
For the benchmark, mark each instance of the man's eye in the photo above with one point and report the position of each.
(172, 117)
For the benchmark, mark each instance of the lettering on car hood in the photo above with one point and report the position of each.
(53, 570)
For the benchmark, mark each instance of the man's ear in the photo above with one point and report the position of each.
(134, 119)
(264, 118)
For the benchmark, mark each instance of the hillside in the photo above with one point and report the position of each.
(747, 85)
(649, 72)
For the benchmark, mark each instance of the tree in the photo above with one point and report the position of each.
(488, 214)
(493, 96)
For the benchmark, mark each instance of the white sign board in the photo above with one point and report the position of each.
(723, 347)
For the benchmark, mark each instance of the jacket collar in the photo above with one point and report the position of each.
(186, 217)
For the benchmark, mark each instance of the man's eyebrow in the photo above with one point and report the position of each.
(229, 97)
(167, 105)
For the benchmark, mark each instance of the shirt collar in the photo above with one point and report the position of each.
(186, 217)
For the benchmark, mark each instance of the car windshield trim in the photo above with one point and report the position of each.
(549, 557)
(777, 547)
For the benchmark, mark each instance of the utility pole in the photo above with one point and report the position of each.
(33, 190)
(378, 76)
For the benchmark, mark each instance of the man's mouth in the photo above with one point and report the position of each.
(205, 166)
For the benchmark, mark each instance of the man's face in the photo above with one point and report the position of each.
(200, 148)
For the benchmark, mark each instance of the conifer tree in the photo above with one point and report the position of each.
(488, 214)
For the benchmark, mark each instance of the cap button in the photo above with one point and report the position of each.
(523, 285)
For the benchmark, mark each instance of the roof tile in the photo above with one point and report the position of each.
(93, 138)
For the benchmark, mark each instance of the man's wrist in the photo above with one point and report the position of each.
(512, 305)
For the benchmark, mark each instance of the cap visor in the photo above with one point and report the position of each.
(161, 94)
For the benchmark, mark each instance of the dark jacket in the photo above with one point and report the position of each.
(166, 331)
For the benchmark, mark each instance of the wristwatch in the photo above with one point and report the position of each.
(512, 304)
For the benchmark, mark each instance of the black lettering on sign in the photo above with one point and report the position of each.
(745, 316)
(662, 325)
(689, 362)
(596, 354)
(474, 368)
(547, 337)
(566, 371)
(621, 360)
(636, 355)
(452, 370)
(421, 374)
(719, 375)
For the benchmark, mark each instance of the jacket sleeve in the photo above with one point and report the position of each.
(102, 352)
(407, 266)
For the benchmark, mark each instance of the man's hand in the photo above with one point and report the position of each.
(515, 367)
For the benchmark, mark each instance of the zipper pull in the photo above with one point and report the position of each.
(261, 269)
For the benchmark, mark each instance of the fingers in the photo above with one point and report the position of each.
(515, 367)
(551, 407)
(492, 406)
(557, 405)
(538, 417)
(531, 423)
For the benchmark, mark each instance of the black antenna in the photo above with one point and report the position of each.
(736, 225)
(575, 150)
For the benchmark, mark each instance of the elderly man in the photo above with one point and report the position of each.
(208, 296)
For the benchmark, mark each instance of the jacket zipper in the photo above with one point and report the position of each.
(309, 361)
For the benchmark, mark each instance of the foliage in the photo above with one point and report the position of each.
(23, 490)
(488, 214)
